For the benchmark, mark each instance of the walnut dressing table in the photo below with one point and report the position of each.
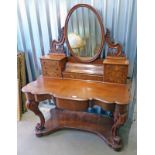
(82, 80)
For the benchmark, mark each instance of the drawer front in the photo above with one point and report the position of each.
(73, 105)
(51, 68)
(82, 76)
(115, 73)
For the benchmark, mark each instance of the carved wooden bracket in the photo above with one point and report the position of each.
(113, 45)
(120, 117)
(58, 43)
(33, 106)
(57, 46)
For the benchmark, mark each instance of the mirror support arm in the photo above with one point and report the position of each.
(58, 43)
(111, 44)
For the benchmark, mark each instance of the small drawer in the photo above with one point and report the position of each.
(115, 73)
(73, 105)
(116, 69)
(51, 68)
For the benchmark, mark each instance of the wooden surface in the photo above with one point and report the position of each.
(82, 76)
(99, 61)
(83, 71)
(53, 65)
(113, 45)
(83, 89)
(106, 127)
(96, 124)
(96, 69)
(115, 69)
(116, 61)
(73, 105)
(79, 90)
(56, 57)
(21, 77)
(57, 46)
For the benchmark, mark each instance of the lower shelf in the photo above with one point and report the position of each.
(97, 124)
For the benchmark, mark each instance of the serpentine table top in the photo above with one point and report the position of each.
(80, 90)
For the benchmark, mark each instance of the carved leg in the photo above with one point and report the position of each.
(120, 117)
(33, 106)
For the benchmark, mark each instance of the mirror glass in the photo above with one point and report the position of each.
(84, 33)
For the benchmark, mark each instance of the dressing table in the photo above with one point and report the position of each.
(82, 80)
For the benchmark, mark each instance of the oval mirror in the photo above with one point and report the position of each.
(84, 33)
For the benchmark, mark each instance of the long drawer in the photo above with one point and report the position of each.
(83, 76)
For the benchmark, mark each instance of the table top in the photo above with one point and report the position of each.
(79, 89)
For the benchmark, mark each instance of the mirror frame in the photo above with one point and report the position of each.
(102, 32)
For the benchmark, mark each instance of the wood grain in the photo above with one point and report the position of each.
(82, 76)
(53, 65)
(115, 69)
(73, 105)
(113, 45)
(80, 90)
(75, 87)
(61, 119)
(95, 69)
(89, 71)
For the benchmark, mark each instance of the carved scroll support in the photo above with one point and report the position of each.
(58, 43)
(113, 45)
(32, 105)
(120, 117)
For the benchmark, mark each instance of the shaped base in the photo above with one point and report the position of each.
(97, 124)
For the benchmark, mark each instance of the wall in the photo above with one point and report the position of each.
(40, 21)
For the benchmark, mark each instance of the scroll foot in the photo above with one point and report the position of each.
(33, 106)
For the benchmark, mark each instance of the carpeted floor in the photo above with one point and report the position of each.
(68, 142)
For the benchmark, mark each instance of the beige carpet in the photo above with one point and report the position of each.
(68, 142)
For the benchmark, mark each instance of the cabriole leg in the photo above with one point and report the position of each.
(33, 106)
(120, 117)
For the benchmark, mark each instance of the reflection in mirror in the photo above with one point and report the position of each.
(84, 33)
